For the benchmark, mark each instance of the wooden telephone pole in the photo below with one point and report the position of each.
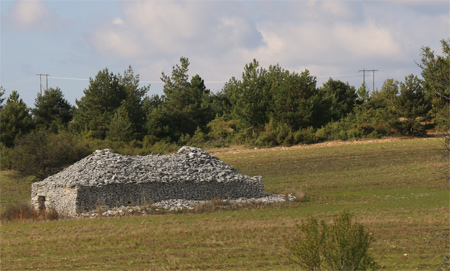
(40, 81)
(364, 77)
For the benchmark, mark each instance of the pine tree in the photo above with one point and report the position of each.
(15, 119)
(250, 97)
(2, 99)
(343, 98)
(134, 102)
(120, 128)
(52, 110)
(99, 103)
(291, 94)
(436, 74)
(185, 107)
(413, 105)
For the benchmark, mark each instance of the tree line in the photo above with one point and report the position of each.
(264, 107)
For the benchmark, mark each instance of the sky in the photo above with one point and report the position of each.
(73, 40)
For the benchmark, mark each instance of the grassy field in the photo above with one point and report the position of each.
(13, 189)
(396, 188)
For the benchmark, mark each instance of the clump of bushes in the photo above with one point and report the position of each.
(341, 245)
(24, 211)
(42, 153)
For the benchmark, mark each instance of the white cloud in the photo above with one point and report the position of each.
(111, 42)
(117, 21)
(163, 28)
(330, 38)
(27, 15)
(367, 41)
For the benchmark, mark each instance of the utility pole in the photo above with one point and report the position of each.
(364, 76)
(40, 81)
(373, 77)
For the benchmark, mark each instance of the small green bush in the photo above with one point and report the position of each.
(307, 136)
(5, 159)
(342, 245)
(41, 153)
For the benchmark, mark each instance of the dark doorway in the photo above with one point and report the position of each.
(41, 203)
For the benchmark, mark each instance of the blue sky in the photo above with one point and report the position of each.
(73, 40)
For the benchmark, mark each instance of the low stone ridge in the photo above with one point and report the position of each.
(180, 204)
(109, 179)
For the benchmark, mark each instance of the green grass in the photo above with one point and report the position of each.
(396, 189)
(13, 189)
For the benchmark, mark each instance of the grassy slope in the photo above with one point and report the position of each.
(397, 189)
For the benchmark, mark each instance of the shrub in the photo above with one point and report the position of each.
(5, 159)
(274, 134)
(220, 129)
(42, 153)
(198, 139)
(162, 147)
(343, 245)
(306, 248)
(307, 136)
(410, 127)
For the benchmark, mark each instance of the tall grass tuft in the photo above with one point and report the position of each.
(19, 212)
(24, 211)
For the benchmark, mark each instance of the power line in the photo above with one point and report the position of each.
(69, 78)
(142, 81)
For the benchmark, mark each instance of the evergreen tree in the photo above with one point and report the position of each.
(292, 96)
(134, 102)
(200, 103)
(363, 94)
(185, 107)
(221, 106)
(436, 71)
(15, 119)
(250, 97)
(2, 99)
(52, 110)
(151, 103)
(342, 96)
(379, 110)
(120, 128)
(384, 98)
(436, 75)
(105, 94)
(413, 105)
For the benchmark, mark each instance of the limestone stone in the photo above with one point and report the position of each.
(112, 180)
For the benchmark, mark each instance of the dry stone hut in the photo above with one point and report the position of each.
(109, 179)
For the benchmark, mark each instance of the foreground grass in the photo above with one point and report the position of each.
(396, 189)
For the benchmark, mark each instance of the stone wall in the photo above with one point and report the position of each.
(113, 180)
(63, 199)
(116, 195)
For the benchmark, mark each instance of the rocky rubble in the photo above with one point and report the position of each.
(175, 181)
(189, 164)
(180, 204)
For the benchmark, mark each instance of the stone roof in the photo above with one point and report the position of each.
(104, 167)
